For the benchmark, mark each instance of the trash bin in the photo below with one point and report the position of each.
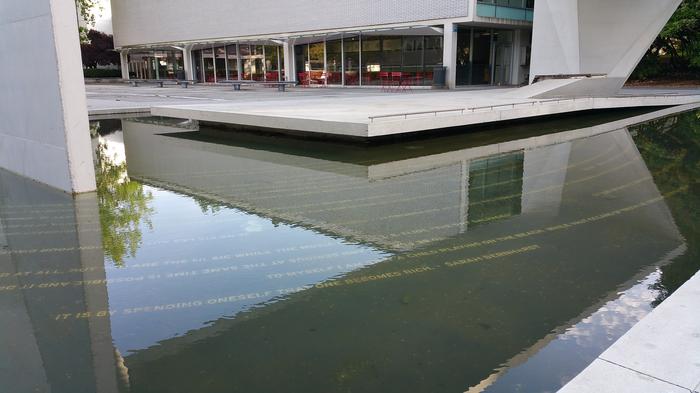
(439, 75)
(180, 75)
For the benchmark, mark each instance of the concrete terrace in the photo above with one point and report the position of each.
(363, 113)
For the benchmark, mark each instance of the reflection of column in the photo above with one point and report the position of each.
(449, 54)
(96, 297)
(20, 359)
(464, 198)
(46, 352)
(289, 70)
(552, 161)
(124, 58)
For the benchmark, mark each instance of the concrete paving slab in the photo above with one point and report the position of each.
(604, 377)
(382, 115)
(667, 343)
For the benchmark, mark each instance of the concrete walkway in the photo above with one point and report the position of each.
(661, 354)
(104, 99)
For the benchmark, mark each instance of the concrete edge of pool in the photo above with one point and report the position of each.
(659, 354)
(357, 119)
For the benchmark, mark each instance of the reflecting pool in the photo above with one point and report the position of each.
(500, 260)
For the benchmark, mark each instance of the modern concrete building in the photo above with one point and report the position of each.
(350, 43)
(586, 47)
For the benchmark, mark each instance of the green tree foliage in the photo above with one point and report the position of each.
(85, 12)
(124, 206)
(99, 50)
(676, 51)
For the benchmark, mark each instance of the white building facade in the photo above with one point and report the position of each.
(320, 42)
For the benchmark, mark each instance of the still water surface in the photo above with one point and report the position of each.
(497, 261)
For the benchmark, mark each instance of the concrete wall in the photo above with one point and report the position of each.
(152, 21)
(44, 124)
(606, 37)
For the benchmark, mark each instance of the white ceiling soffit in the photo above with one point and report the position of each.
(398, 31)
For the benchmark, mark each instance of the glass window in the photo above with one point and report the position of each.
(301, 59)
(232, 59)
(257, 62)
(247, 61)
(197, 61)
(371, 60)
(481, 57)
(351, 46)
(334, 62)
(317, 55)
(220, 63)
(391, 54)
(208, 65)
(272, 65)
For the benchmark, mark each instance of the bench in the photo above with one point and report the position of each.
(281, 85)
(160, 82)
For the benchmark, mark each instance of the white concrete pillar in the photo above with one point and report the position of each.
(602, 37)
(449, 55)
(289, 63)
(187, 63)
(44, 133)
(124, 57)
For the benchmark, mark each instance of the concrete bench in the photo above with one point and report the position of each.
(160, 82)
(281, 85)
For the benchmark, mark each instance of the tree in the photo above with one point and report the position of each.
(676, 51)
(99, 50)
(85, 12)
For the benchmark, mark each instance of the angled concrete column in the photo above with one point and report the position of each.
(187, 63)
(602, 38)
(44, 132)
(449, 55)
(124, 60)
(289, 71)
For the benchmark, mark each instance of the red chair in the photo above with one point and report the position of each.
(400, 80)
(385, 80)
(304, 80)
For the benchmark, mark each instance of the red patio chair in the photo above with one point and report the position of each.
(385, 80)
(304, 80)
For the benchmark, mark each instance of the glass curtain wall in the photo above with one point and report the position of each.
(238, 62)
(369, 60)
(158, 64)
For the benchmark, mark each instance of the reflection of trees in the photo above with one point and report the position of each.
(124, 206)
(673, 144)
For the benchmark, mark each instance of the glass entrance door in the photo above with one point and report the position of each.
(481, 57)
(502, 64)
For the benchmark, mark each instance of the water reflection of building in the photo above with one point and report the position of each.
(333, 189)
(593, 200)
(40, 350)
